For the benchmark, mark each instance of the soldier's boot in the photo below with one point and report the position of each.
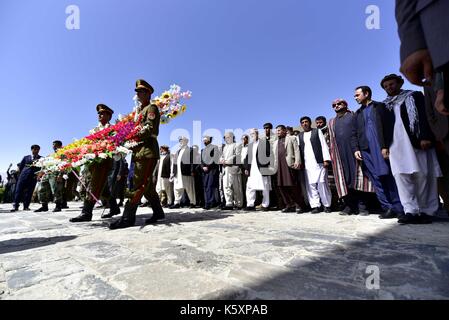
(158, 212)
(86, 213)
(43, 208)
(58, 207)
(128, 218)
(113, 211)
(64, 205)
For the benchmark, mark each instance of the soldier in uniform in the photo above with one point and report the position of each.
(52, 186)
(145, 157)
(99, 172)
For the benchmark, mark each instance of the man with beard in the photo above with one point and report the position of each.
(232, 182)
(259, 167)
(145, 157)
(183, 174)
(210, 156)
(412, 155)
(347, 170)
(316, 159)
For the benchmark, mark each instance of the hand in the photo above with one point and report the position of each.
(247, 172)
(426, 144)
(119, 177)
(205, 169)
(439, 103)
(358, 156)
(386, 153)
(418, 66)
(10, 166)
(193, 173)
(326, 164)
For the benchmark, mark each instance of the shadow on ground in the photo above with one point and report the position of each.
(411, 266)
(15, 245)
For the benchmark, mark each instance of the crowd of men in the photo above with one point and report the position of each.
(387, 158)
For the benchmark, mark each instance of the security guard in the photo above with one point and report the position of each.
(99, 172)
(145, 157)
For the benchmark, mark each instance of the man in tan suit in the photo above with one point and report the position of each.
(287, 160)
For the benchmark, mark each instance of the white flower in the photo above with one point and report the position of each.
(65, 177)
(89, 156)
(103, 156)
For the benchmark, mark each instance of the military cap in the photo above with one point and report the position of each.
(143, 85)
(392, 77)
(104, 108)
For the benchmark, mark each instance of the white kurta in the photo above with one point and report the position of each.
(182, 183)
(415, 172)
(407, 160)
(316, 173)
(255, 180)
(178, 179)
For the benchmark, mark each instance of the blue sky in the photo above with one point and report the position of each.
(246, 61)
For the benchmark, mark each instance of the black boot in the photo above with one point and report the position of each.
(44, 208)
(86, 214)
(58, 207)
(128, 218)
(64, 205)
(158, 212)
(114, 209)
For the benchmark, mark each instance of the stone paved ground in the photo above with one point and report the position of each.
(220, 255)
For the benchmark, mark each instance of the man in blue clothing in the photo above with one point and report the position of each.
(369, 144)
(27, 179)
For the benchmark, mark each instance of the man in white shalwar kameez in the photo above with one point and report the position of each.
(232, 175)
(182, 170)
(316, 158)
(257, 168)
(412, 155)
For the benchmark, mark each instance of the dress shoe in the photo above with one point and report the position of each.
(155, 219)
(44, 208)
(425, 218)
(26, 209)
(193, 206)
(57, 209)
(175, 206)
(83, 217)
(227, 208)
(300, 211)
(409, 218)
(315, 211)
(327, 210)
(14, 210)
(250, 209)
(349, 212)
(288, 210)
(389, 214)
(265, 209)
(121, 224)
